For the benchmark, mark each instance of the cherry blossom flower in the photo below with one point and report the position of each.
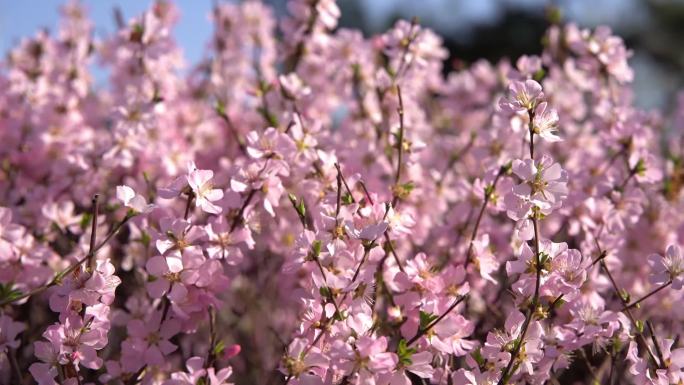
(420, 366)
(522, 96)
(130, 199)
(204, 191)
(668, 268)
(9, 329)
(545, 122)
(358, 290)
(44, 372)
(450, 336)
(500, 344)
(151, 336)
(544, 183)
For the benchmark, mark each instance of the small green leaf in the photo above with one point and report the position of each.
(8, 293)
(218, 349)
(405, 353)
(301, 209)
(145, 239)
(268, 116)
(640, 326)
(220, 108)
(426, 319)
(316, 248)
(347, 199)
(85, 220)
(625, 295)
(477, 356)
(325, 292)
(640, 167)
(403, 190)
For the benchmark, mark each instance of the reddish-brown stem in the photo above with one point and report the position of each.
(489, 191)
(659, 288)
(421, 332)
(93, 233)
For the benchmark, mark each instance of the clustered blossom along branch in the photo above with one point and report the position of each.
(308, 205)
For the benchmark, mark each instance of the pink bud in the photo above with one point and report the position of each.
(232, 351)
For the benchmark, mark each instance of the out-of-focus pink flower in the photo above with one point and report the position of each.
(9, 329)
(150, 337)
(130, 199)
(522, 96)
(668, 268)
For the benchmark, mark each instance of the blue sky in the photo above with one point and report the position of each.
(24, 18)
(20, 18)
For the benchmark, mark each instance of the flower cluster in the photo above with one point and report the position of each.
(309, 206)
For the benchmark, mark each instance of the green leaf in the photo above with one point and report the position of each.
(270, 118)
(640, 326)
(146, 177)
(145, 239)
(316, 248)
(301, 209)
(640, 167)
(404, 190)
(137, 33)
(426, 319)
(325, 292)
(408, 186)
(218, 349)
(539, 75)
(477, 356)
(625, 295)
(8, 293)
(220, 108)
(85, 220)
(405, 353)
(347, 199)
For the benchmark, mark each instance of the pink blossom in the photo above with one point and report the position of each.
(522, 96)
(544, 183)
(129, 198)
(150, 337)
(204, 191)
(545, 122)
(9, 329)
(668, 268)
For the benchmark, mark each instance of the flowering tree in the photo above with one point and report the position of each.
(312, 206)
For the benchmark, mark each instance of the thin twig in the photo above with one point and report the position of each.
(489, 191)
(506, 373)
(93, 233)
(659, 352)
(344, 181)
(629, 314)
(432, 324)
(400, 148)
(58, 278)
(191, 196)
(659, 288)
